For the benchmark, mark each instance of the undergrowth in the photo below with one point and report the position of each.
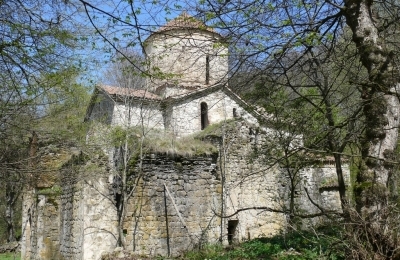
(324, 244)
(217, 129)
(10, 256)
(185, 146)
(158, 141)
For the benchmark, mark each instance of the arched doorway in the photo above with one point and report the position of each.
(204, 115)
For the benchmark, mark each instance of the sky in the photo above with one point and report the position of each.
(111, 25)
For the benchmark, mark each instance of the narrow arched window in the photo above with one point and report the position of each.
(204, 115)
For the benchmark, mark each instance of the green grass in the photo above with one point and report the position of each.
(291, 246)
(185, 146)
(217, 129)
(10, 256)
(161, 142)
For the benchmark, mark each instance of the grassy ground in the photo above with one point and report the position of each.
(10, 256)
(323, 244)
(291, 246)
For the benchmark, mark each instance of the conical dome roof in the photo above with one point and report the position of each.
(185, 21)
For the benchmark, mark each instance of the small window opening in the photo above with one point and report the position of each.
(232, 225)
(207, 69)
(118, 200)
(204, 115)
(235, 113)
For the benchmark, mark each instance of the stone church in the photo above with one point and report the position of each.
(181, 202)
(193, 91)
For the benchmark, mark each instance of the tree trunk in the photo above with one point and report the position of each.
(380, 106)
(10, 201)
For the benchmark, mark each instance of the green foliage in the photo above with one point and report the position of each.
(185, 146)
(10, 256)
(34, 42)
(156, 141)
(66, 102)
(294, 245)
(54, 190)
(216, 129)
(119, 135)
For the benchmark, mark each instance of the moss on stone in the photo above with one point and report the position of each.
(217, 129)
(54, 190)
(188, 146)
(363, 185)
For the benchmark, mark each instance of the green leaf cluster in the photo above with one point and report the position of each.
(64, 106)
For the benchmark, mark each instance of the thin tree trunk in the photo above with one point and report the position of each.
(10, 201)
(124, 193)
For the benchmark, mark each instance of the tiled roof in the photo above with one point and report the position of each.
(185, 21)
(186, 87)
(139, 93)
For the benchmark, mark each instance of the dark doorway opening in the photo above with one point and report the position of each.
(235, 114)
(118, 200)
(204, 115)
(232, 224)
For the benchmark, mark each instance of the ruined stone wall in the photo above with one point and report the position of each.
(250, 179)
(70, 220)
(103, 109)
(28, 203)
(321, 183)
(196, 192)
(248, 183)
(88, 213)
(99, 232)
(44, 230)
(73, 218)
(79, 221)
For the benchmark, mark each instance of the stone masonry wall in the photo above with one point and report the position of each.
(103, 109)
(249, 180)
(196, 192)
(321, 183)
(44, 236)
(72, 219)
(99, 232)
(186, 117)
(147, 114)
(181, 55)
(247, 183)
(79, 221)
(88, 216)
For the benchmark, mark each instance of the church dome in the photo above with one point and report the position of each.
(185, 52)
(184, 22)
